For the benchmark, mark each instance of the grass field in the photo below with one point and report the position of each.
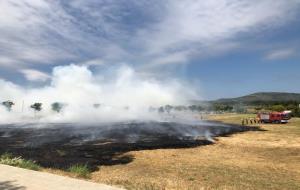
(267, 159)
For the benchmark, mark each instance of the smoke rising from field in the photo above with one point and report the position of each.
(120, 95)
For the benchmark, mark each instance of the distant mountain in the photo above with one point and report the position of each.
(261, 97)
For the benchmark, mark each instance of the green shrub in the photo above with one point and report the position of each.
(9, 159)
(278, 108)
(80, 170)
(6, 155)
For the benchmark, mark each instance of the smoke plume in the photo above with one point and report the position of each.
(89, 97)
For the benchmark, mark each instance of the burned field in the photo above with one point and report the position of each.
(164, 155)
(61, 145)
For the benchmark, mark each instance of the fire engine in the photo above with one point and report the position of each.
(274, 117)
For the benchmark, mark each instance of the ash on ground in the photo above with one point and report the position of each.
(61, 145)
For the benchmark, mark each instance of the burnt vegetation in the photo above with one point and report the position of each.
(58, 148)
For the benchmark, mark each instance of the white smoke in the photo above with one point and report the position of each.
(122, 95)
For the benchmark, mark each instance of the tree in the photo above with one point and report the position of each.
(240, 108)
(192, 108)
(222, 108)
(8, 104)
(278, 108)
(161, 109)
(200, 108)
(57, 106)
(295, 108)
(168, 108)
(258, 108)
(180, 108)
(36, 106)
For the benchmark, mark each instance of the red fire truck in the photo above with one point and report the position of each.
(274, 117)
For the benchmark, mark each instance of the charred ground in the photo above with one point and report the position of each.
(61, 145)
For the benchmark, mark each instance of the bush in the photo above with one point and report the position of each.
(278, 108)
(9, 159)
(80, 170)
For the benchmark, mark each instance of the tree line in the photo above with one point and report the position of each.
(236, 108)
(259, 106)
(213, 107)
(281, 106)
(56, 106)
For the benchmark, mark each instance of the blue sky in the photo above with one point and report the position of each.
(226, 48)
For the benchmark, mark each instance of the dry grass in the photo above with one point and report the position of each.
(252, 160)
(9, 159)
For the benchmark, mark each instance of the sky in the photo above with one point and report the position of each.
(224, 48)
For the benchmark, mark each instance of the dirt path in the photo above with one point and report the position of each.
(12, 178)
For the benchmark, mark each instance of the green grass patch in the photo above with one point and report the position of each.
(9, 159)
(81, 170)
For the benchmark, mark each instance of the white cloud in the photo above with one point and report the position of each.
(6, 61)
(155, 32)
(194, 24)
(174, 58)
(24, 26)
(35, 75)
(93, 62)
(280, 54)
(44, 32)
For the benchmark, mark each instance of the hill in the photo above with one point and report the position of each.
(261, 97)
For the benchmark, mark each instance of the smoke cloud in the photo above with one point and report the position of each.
(87, 97)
